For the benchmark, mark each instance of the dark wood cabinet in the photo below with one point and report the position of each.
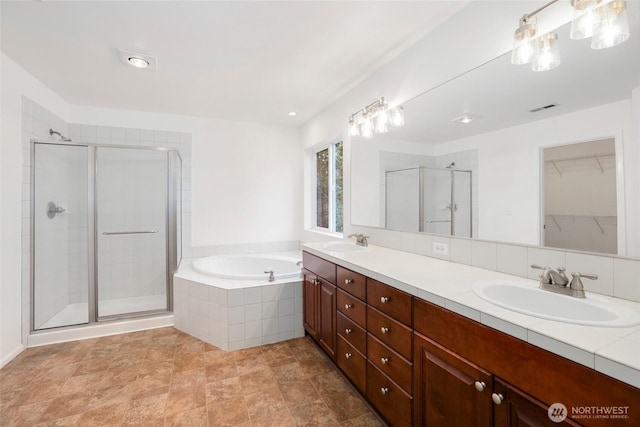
(327, 317)
(319, 295)
(310, 302)
(449, 390)
(419, 364)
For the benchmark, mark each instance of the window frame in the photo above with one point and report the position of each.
(332, 147)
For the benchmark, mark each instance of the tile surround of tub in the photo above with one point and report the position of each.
(36, 122)
(617, 276)
(245, 248)
(234, 319)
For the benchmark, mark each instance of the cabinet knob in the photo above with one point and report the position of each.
(348, 306)
(348, 355)
(384, 299)
(497, 398)
(480, 385)
(384, 390)
(384, 330)
(347, 331)
(316, 282)
(384, 360)
(348, 281)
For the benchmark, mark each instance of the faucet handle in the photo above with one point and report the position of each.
(545, 276)
(576, 283)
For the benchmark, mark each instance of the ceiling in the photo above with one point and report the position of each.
(502, 95)
(236, 60)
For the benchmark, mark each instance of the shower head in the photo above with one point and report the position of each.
(451, 165)
(62, 137)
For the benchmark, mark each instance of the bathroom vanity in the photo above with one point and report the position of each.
(419, 363)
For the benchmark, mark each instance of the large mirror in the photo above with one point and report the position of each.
(491, 178)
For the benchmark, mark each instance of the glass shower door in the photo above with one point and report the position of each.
(131, 231)
(60, 230)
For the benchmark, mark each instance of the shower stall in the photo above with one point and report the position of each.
(432, 200)
(105, 230)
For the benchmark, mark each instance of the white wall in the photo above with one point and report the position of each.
(15, 83)
(245, 176)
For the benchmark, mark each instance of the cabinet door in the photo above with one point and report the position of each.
(310, 296)
(449, 390)
(327, 317)
(517, 409)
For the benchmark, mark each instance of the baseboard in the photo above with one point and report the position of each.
(9, 357)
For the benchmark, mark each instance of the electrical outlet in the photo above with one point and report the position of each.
(440, 248)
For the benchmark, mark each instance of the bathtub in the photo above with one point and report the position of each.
(248, 267)
(228, 301)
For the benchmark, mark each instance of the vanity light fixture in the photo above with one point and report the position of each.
(376, 117)
(605, 21)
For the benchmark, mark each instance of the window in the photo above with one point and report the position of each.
(328, 183)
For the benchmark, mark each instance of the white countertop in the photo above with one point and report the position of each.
(612, 351)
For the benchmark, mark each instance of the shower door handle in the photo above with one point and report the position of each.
(112, 233)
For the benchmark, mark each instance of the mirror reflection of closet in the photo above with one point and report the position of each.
(580, 197)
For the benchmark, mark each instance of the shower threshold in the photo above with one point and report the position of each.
(76, 313)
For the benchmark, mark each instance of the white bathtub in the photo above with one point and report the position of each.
(248, 267)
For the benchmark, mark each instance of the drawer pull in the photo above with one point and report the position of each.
(348, 306)
(384, 330)
(348, 355)
(348, 331)
(384, 360)
(480, 385)
(497, 398)
(384, 390)
(348, 281)
(384, 299)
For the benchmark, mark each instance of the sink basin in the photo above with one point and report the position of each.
(527, 299)
(343, 247)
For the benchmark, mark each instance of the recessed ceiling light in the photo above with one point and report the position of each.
(138, 60)
(293, 113)
(465, 119)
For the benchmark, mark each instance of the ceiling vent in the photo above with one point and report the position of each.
(138, 60)
(546, 107)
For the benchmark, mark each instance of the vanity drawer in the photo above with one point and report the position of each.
(352, 307)
(352, 363)
(353, 333)
(319, 266)
(391, 363)
(390, 400)
(391, 332)
(352, 282)
(389, 300)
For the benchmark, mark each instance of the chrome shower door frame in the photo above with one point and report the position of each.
(174, 161)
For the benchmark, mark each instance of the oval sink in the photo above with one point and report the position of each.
(524, 298)
(343, 247)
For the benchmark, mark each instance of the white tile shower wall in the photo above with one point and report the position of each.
(36, 122)
(618, 276)
(246, 248)
(233, 319)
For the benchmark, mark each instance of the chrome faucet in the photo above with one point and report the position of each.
(361, 239)
(271, 276)
(557, 281)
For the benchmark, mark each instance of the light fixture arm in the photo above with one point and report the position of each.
(528, 16)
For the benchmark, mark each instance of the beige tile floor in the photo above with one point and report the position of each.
(165, 377)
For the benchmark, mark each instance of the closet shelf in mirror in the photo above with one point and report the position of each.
(599, 221)
(597, 161)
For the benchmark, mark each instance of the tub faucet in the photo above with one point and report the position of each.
(361, 239)
(271, 276)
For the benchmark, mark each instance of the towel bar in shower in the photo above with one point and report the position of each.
(112, 233)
